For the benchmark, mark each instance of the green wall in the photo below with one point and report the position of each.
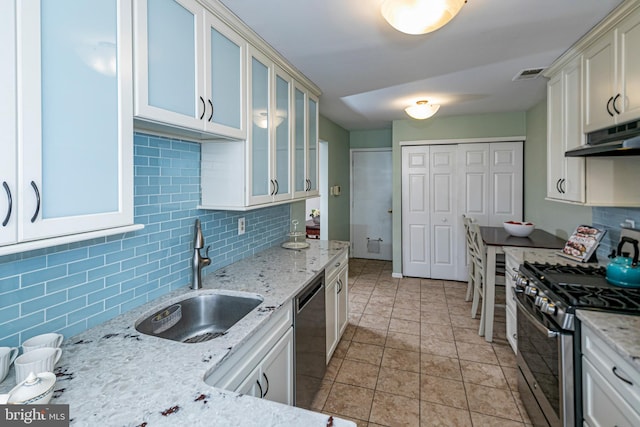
(555, 217)
(380, 138)
(338, 139)
(458, 127)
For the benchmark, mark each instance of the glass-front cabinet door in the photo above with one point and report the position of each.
(282, 136)
(313, 149)
(300, 143)
(261, 185)
(8, 140)
(169, 63)
(75, 117)
(225, 80)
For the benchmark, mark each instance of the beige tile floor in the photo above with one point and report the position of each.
(411, 356)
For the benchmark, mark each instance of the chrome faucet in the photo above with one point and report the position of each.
(198, 260)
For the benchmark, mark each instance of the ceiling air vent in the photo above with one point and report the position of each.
(528, 74)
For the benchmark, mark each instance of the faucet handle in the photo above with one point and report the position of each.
(206, 251)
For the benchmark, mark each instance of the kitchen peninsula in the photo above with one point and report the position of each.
(113, 375)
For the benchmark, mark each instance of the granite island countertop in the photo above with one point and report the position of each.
(620, 331)
(112, 375)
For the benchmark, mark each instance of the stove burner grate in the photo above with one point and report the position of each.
(582, 286)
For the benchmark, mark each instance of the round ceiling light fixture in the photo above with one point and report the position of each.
(422, 110)
(419, 16)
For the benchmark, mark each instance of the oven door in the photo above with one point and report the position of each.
(545, 362)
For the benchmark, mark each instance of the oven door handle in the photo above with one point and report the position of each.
(548, 332)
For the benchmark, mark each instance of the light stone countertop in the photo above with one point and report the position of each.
(112, 375)
(520, 255)
(621, 332)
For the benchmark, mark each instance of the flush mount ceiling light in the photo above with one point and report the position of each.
(422, 110)
(420, 16)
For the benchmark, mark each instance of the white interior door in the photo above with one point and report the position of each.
(371, 187)
(416, 248)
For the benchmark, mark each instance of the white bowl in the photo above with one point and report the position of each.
(519, 229)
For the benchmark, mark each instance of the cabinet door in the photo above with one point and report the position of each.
(443, 214)
(313, 151)
(300, 142)
(573, 185)
(251, 385)
(282, 135)
(225, 53)
(261, 185)
(600, 83)
(629, 68)
(555, 137)
(8, 159)
(277, 371)
(343, 302)
(75, 117)
(331, 306)
(169, 62)
(603, 406)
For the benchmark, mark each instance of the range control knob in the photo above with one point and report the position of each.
(548, 307)
(521, 282)
(540, 300)
(531, 290)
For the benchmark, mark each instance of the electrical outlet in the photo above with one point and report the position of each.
(241, 228)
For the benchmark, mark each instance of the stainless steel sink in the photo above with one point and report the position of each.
(199, 318)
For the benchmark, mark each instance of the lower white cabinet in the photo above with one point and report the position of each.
(263, 366)
(272, 379)
(337, 300)
(610, 385)
(511, 311)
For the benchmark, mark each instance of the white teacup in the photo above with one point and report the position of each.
(7, 356)
(40, 341)
(36, 361)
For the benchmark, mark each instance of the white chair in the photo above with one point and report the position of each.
(466, 221)
(479, 257)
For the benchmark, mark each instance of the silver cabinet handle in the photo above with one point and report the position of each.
(267, 380)
(35, 189)
(204, 107)
(615, 372)
(9, 203)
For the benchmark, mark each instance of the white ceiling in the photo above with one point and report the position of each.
(369, 72)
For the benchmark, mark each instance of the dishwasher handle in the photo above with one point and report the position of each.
(303, 299)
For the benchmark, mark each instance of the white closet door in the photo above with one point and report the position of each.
(415, 212)
(443, 212)
(506, 183)
(473, 167)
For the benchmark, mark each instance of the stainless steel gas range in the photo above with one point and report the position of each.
(549, 354)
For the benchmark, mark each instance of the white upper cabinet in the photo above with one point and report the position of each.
(240, 175)
(270, 131)
(565, 175)
(306, 150)
(74, 118)
(8, 178)
(612, 76)
(189, 69)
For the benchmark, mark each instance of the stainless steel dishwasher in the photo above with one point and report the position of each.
(310, 341)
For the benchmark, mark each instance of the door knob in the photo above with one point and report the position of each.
(389, 210)
(444, 219)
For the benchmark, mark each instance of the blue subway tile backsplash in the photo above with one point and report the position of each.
(611, 219)
(73, 287)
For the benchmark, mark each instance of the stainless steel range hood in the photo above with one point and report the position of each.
(621, 140)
